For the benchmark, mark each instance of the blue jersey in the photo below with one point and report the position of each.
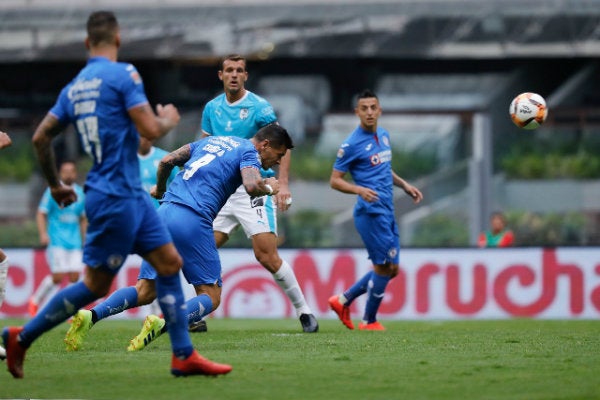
(212, 173)
(367, 156)
(97, 103)
(242, 118)
(63, 223)
(148, 166)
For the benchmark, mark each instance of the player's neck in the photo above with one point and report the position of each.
(233, 97)
(109, 52)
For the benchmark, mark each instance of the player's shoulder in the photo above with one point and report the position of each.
(254, 98)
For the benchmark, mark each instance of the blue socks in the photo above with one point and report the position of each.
(117, 302)
(375, 294)
(359, 288)
(198, 307)
(60, 307)
(170, 299)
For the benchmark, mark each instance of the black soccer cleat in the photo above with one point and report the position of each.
(198, 326)
(309, 323)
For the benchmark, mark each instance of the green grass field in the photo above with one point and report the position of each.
(515, 359)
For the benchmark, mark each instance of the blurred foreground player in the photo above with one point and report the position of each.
(107, 104)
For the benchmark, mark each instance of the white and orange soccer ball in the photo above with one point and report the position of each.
(528, 110)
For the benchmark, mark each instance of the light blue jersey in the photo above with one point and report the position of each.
(242, 118)
(212, 173)
(63, 223)
(148, 167)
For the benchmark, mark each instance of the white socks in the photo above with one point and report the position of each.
(287, 281)
(43, 290)
(3, 277)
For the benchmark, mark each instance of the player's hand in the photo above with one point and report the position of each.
(168, 111)
(368, 195)
(283, 198)
(44, 239)
(64, 195)
(154, 192)
(413, 192)
(274, 183)
(5, 140)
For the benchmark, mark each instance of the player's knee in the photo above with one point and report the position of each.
(170, 265)
(269, 261)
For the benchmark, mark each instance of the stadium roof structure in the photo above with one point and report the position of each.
(194, 30)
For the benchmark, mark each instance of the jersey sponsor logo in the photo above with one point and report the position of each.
(386, 141)
(244, 112)
(340, 153)
(381, 157)
(85, 89)
(392, 252)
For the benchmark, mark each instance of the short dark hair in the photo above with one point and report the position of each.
(276, 134)
(366, 94)
(102, 27)
(234, 57)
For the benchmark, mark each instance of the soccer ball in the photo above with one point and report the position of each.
(528, 110)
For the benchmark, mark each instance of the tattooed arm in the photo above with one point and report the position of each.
(256, 186)
(174, 159)
(47, 130)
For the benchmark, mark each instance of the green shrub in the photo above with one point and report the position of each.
(441, 230)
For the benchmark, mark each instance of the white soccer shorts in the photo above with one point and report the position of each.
(62, 260)
(255, 215)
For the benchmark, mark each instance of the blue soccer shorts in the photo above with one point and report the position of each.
(194, 239)
(119, 226)
(379, 233)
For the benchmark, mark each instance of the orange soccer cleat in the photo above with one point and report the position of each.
(373, 326)
(15, 353)
(342, 311)
(195, 364)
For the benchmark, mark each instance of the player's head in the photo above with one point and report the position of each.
(102, 29)
(68, 172)
(233, 74)
(145, 146)
(367, 110)
(272, 142)
(497, 222)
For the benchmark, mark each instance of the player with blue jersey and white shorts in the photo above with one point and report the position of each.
(62, 230)
(367, 156)
(241, 113)
(107, 104)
